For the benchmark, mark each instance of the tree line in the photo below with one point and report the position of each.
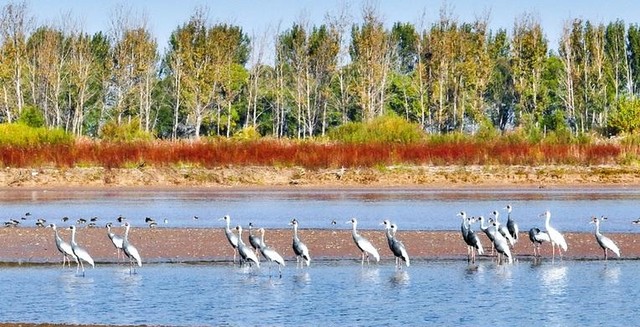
(214, 79)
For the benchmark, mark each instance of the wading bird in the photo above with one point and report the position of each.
(129, 250)
(489, 231)
(604, 242)
(115, 239)
(501, 244)
(231, 237)
(63, 247)
(362, 243)
(245, 252)
(398, 249)
(502, 229)
(470, 237)
(537, 237)
(254, 240)
(80, 253)
(299, 248)
(270, 254)
(512, 226)
(555, 236)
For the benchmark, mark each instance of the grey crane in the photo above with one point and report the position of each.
(502, 229)
(254, 240)
(299, 248)
(470, 238)
(604, 242)
(63, 247)
(231, 237)
(270, 254)
(115, 239)
(79, 252)
(537, 237)
(129, 250)
(245, 252)
(362, 243)
(512, 226)
(398, 248)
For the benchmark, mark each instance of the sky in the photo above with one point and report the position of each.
(258, 16)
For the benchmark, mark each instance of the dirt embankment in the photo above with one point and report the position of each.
(395, 176)
(36, 245)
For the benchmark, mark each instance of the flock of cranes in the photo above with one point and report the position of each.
(503, 238)
(80, 255)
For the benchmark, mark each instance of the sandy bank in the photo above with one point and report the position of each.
(36, 245)
(395, 176)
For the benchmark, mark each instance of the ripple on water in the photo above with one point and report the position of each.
(335, 293)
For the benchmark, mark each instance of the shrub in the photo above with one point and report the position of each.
(18, 134)
(31, 117)
(385, 129)
(127, 132)
(249, 133)
(625, 118)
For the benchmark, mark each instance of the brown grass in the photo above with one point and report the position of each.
(286, 153)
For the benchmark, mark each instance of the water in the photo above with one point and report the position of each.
(411, 209)
(564, 293)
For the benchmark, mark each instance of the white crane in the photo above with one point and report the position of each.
(270, 254)
(604, 242)
(231, 237)
(129, 250)
(115, 239)
(63, 247)
(245, 252)
(363, 244)
(79, 252)
(555, 236)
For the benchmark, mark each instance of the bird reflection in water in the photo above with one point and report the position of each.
(400, 278)
(554, 279)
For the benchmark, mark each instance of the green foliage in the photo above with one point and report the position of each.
(249, 133)
(385, 129)
(127, 132)
(625, 118)
(21, 135)
(32, 117)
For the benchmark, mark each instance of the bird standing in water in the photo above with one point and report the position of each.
(362, 243)
(63, 247)
(299, 248)
(604, 242)
(129, 250)
(79, 252)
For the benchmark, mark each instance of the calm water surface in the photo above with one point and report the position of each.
(563, 293)
(414, 209)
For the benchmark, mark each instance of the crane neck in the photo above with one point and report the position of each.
(354, 232)
(73, 236)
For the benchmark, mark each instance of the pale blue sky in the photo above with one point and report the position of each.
(255, 15)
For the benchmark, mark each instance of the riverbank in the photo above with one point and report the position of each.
(393, 176)
(31, 245)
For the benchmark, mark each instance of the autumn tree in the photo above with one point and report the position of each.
(371, 54)
(528, 56)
